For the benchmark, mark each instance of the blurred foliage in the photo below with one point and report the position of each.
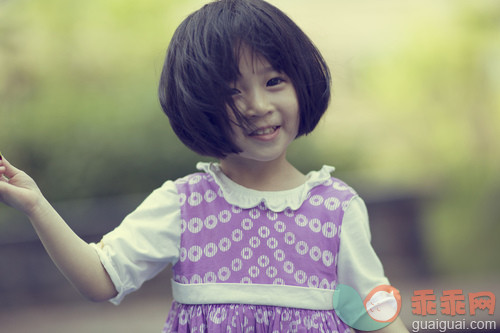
(426, 119)
(79, 111)
(442, 93)
(78, 84)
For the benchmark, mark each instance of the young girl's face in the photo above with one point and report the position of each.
(267, 99)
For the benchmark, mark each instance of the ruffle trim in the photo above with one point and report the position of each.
(276, 201)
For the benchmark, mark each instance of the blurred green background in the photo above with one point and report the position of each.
(415, 108)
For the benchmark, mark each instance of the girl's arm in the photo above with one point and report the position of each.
(73, 256)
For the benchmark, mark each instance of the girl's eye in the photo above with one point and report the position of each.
(274, 81)
(235, 91)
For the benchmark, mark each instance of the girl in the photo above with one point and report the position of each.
(255, 245)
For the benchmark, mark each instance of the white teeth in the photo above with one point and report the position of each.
(264, 131)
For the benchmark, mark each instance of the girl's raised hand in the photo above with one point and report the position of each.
(17, 189)
(87, 274)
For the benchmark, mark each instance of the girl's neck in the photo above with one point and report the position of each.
(277, 175)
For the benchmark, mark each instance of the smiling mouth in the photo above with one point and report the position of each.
(264, 131)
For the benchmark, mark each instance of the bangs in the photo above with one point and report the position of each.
(220, 29)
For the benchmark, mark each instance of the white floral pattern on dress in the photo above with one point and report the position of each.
(224, 242)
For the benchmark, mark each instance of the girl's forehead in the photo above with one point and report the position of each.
(251, 60)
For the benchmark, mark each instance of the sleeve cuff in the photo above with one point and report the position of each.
(113, 274)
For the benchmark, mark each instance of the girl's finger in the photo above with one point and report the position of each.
(10, 170)
(2, 168)
(2, 171)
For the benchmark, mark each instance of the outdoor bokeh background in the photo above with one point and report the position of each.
(415, 114)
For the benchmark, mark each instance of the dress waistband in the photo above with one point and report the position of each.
(256, 294)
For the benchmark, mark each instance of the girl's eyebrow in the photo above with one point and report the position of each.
(266, 70)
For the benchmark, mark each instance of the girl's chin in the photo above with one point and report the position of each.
(260, 157)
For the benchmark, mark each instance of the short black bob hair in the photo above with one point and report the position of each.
(202, 61)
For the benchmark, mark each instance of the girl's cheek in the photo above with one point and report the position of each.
(239, 103)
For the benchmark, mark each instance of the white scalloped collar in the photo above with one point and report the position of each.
(276, 201)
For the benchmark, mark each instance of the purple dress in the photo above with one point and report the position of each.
(254, 269)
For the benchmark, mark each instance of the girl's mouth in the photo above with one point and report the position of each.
(264, 131)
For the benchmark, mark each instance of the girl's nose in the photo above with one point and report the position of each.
(257, 105)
